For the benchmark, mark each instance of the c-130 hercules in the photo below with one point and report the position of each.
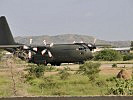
(55, 54)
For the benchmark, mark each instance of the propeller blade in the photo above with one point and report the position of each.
(35, 49)
(25, 47)
(44, 41)
(51, 44)
(30, 41)
(81, 42)
(95, 40)
(89, 45)
(44, 51)
(49, 53)
(29, 54)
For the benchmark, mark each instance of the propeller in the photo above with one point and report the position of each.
(49, 53)
(92, 46)
(81, 42)
(29, 54)
(25, 47)
(51, 44)
(94, 43)
(44, 42)
(95, 40)
(34, 49)
(46, 49)
(74, 42)
(30, 41)
(29, 48)
(100, 45)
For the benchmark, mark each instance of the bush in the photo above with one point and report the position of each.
(128, 56)
(35, 71)
(114, 65)
(47, 83)
(50, 68)
(112, 79)
(108, 55)
(122, 87)
(101, 83)
(90, 69)
(64, 74)
(1, 54)
(67, 68)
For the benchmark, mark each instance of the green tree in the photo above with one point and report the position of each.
(131, 45)
(35, 71)
(128, 56)
(108, 55)
(90, 69)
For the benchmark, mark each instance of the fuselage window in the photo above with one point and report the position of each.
(81, 48)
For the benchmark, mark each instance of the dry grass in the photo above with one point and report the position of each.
(21, 87)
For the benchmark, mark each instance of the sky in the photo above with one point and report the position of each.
(103, 19)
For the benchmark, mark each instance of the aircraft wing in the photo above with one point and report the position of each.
(10, 46)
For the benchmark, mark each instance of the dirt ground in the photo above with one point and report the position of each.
(106, 69)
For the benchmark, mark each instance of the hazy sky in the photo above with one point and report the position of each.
(104, 19)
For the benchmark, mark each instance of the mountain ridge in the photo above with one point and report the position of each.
(68, 38)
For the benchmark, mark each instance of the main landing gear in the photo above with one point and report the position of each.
(55, 64)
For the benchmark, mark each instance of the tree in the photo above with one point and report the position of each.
(1, 54)
(108, 55)
(131, 45)
(35, 71)
(90, 69)
(128, 56)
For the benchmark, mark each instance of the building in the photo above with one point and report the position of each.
(121, 50)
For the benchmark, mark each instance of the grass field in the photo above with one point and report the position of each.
(75, 85)
(51, 84)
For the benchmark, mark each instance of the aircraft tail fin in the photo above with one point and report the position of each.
(6, 37)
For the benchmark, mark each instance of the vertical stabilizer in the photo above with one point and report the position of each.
(6, 37)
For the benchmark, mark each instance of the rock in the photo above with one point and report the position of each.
(123, 74)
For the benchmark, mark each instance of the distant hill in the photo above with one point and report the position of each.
(68, 38)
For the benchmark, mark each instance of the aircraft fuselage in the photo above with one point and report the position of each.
(63, 53)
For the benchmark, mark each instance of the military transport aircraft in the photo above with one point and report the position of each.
(55, 54)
